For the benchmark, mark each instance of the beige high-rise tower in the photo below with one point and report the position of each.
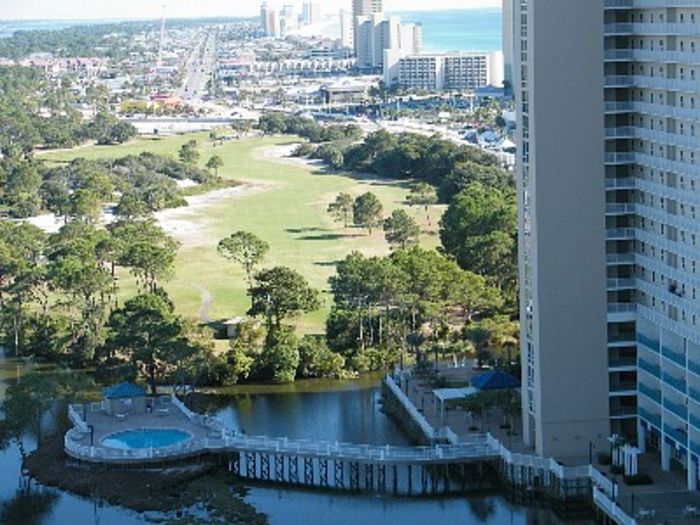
(609, 187)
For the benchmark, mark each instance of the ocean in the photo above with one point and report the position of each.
(449, 30)
(458, 30)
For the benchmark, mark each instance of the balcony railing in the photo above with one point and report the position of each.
(675, 382)
(676, 357)
(650, 368)
(651, 344)
(654, 395)
(629, 4)
(654, 419)
(652, 55)
(651, 29)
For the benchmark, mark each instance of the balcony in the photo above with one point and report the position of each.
(620, 258)
(623, 412)
(651, 108)
(661, 29)
(650, 368)
(694, 394)
(621, 284)
(636, 4)
(676, 408)
(675, 382)
(654, 419)
(694, 367)
(643, 81)
(619, 234)
(676, 357)
(622, 364)
(620, 209)
(676, 433)
(625, 388)
(621, 183)
(653, 135)
(648, 342)
(652, 55)
(654, 395)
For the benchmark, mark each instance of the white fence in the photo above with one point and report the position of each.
(612, 509)
(408, 405)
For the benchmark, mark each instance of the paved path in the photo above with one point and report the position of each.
(206, 303)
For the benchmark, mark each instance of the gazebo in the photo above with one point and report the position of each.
(494, 380)
(124, 398)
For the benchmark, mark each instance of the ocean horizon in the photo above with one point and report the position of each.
(476, 29)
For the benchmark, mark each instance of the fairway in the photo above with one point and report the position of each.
(287, 209)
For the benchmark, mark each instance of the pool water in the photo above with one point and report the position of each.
(146, 438)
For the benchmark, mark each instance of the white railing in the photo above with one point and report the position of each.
(419, 418)
(611, 509)
(77, 419)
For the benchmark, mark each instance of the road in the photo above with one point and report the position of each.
(199, 68)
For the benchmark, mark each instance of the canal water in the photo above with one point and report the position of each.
(330, 410)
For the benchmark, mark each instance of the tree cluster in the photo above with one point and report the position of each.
(413, 297)
(139, 184)
(36, 112)
(307, 128)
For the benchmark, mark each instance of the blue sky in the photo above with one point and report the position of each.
(95, 9)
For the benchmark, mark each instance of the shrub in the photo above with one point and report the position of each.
(604, 458)
(639, 479)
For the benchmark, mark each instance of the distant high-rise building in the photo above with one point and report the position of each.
(361, 10)
(378, 34)
(311, 13)
(458, 71)
(347, 33)
(264, 10)
(610, 244)
(366, 7)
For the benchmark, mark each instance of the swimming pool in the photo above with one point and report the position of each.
(146, 438)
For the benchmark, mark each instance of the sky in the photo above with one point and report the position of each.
(139, 9)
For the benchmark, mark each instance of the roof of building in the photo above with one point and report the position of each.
(123, 390)
(495, 380)
(448, 394)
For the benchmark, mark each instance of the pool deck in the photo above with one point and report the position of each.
(104, 424)
(92, 423)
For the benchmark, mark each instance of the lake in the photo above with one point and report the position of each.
(330, 410)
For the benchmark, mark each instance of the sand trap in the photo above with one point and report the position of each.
(186, 224)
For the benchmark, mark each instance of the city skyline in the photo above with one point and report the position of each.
(102, 9)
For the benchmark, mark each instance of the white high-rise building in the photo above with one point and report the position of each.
(508, 57)
(378, 34)
(458, 71)
(361, 11)
(347, 30)
(609, 191)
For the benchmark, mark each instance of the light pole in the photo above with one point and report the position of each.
(591, 448)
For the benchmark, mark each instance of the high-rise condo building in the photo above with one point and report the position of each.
(609, 189)
(361, 11)
(457, 71)
(347, 31)
(378, 34)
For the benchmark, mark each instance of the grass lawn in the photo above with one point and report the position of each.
(290, 214)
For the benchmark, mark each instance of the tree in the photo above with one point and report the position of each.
(367, 211)
(146, 249)
(422, 194)
(281, 292)
(479, 230)
(342, 208)
(400, 229)
(188, 152)
(145, 333)
(246, 249)
(317, 360)
(215, 163)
